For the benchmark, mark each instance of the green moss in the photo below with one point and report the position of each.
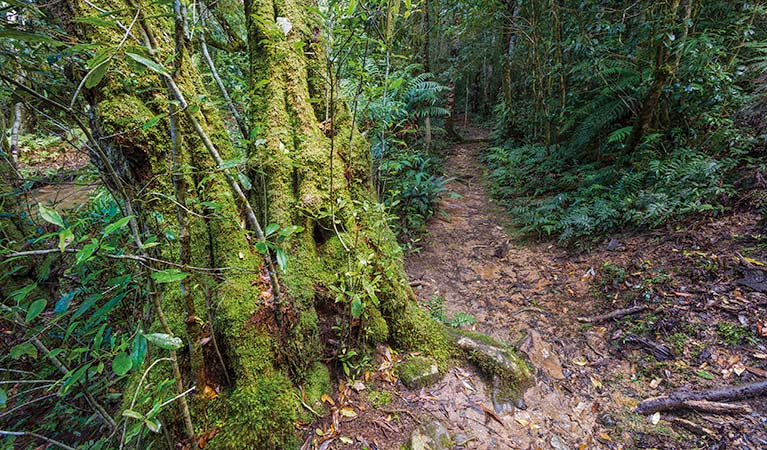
(379, 398)
(414, 330)
(376, 328)
(418, 371)
(506, 369)
(259, 415)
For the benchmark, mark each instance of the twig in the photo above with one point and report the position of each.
(692, 426)
(617, 314)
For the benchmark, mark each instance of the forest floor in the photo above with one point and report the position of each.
(705, 326)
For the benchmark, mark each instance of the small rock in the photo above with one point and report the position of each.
(417, 372)
(613, 245)
(460, 440)
(520, 404)
(606, 419)
(558, 444)
(431, 436)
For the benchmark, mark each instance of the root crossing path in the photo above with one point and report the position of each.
(523, 295)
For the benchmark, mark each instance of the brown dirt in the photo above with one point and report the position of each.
(589, 378)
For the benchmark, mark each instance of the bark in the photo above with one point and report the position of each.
(18, 113)
(271, 342)
(677, 400)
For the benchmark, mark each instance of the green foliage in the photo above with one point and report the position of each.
(411, 189)
(734, 334)
(436, 307)
(551, 194)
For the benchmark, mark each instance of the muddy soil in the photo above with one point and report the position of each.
(705, 306)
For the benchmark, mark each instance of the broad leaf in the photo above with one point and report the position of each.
(50, 215)
(112, 227)
(35, 309)
(164, 341)
(148, 63)
(122, 364)
(169, 276)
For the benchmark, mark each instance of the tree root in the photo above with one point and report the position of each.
(617, 314)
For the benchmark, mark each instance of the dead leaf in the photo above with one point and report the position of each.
(491, 413)
(605, 437)
(203, 440)
(346, 440)
(327, 399)
(347, 412)
(738, 369)
(684, 294)
(581, 361)
(597, 384)
(655, 418)
(655, 383)
(209, 392)
(358, 386)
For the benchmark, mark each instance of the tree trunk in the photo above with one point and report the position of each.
(664, 72)
(18, 112)
(272, 344)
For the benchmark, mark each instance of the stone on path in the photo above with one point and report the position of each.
(431, 436)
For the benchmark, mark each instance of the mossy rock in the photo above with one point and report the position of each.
(418, 371)
(431, 436)
(510, 373)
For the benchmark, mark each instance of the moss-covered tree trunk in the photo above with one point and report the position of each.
(344, 268)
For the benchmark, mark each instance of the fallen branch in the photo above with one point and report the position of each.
(677, 400)
(659, 351)
(693, 427)
(617, 314)
(717, 407)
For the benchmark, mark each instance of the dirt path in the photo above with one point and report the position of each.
(589, 378)
(475, 266)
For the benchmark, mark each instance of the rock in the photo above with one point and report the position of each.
(542, 355)
(431, 436)
(606, 419)
(558, 444)
(508, 372)
(418, 371)
(520, 404)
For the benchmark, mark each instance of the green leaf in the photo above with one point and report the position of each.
(164, 341)
(85, 253)
(97, 74)
(21, 293)
(74, 378)
(138, 351)
(153, 425)
(28, 37)
(112, 227)
(356, 308)
(290, 230)
(245, 181)
(148, 63)
(65, 238)
(133, 414)
(169, 276)
(703, 374)
(282, 259)
(122, 364)
(50, 215)
(271, 228)
(96, 21)
(152, 122)
(35, 309)
(3, 398)
(24, 349)
(261, 247)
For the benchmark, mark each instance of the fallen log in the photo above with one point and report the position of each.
(617, 314)
(677, 399)
(659, 351)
